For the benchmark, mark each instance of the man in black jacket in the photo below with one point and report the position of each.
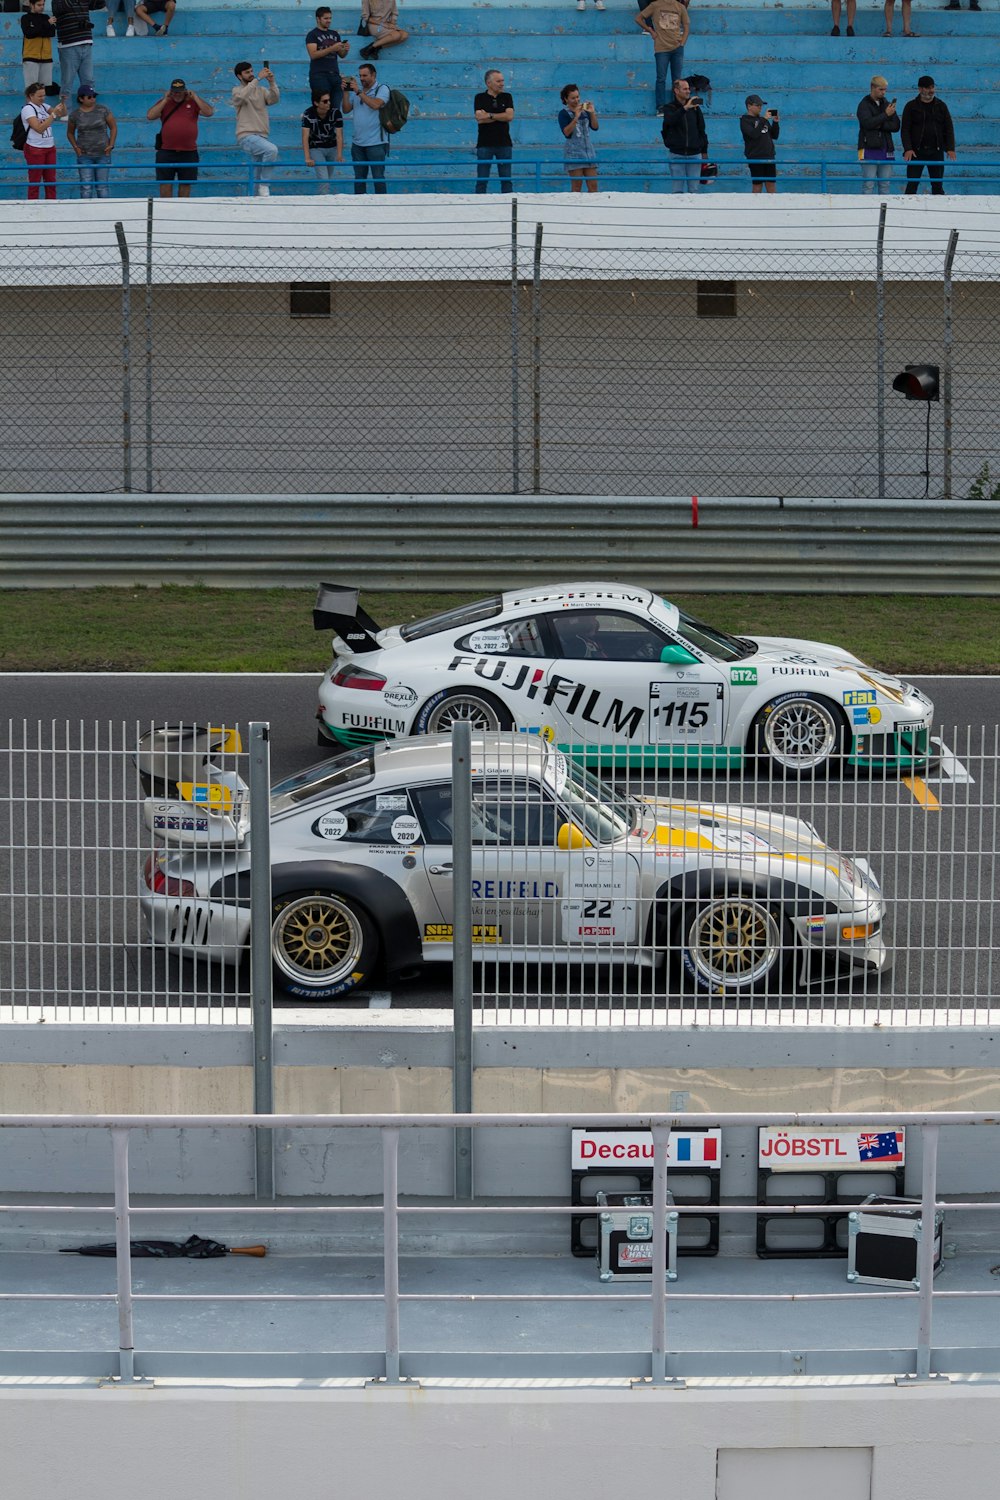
(759, 135)
(685, 138)
(75, 40)
(927, 135)
(877, 123)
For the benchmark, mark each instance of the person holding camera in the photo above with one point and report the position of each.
(877, 123)
(685, 138)
(577, 119)
(178, 113)
(252, 98)
(760, 131)
(364, 97)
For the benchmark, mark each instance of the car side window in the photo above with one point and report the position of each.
(511, 811)
(512, 638)
(604, 635)
(369, 821)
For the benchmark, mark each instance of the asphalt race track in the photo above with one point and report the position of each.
(935, 838)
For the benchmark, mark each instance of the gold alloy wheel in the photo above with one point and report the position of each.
(317, 940)
(734, 943)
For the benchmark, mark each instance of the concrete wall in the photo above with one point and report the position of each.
(779, 400)
(875, 1442)
(374, 1067)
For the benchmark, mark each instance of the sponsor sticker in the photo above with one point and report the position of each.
(205, 793)
(332, 825)
(443, 932)
(866, 715)
(399, 696)
(743, 676)
(635, 1253)
(405, 830)
(859, 697)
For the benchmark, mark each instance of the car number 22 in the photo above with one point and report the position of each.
(686, 711)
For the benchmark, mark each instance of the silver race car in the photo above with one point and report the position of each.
(614, 675)
(564, 871)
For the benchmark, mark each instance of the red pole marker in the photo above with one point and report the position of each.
(694, 510)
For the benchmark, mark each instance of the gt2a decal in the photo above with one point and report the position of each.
(573, 699)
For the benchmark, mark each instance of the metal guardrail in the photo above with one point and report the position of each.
(657, 1365)
(446, 542)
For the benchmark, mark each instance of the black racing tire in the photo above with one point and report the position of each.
(485, 713)
(323, 946)
(801, 734)
(733, 942)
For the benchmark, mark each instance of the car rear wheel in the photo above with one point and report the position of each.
(734, 943)
(481, 710)
(322, 945)
(801, 734)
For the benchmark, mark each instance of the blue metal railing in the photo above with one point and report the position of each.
(225, 175)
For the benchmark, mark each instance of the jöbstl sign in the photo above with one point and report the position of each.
(790, 1150)
(624, 1148)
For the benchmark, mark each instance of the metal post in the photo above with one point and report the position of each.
(515, 373)
(123, 1257)
(949, 261)
(658, 1289)
(925, 1249)
(461, 937)
(390, 1251)
(149, 346)
(261, 997)
(126, 361)
(880, 345)
(536, 365)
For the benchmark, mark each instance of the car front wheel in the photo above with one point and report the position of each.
(323, 946)
(481, 710)
(801, 734)
(734, 943)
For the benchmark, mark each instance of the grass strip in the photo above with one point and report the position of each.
(181, 629)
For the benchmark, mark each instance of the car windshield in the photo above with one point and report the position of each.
(713, 641)
(602, 813)
(349, 769)
(452, 619)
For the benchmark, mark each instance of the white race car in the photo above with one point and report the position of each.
(613, 674)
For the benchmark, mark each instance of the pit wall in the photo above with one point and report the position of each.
(382, 1066)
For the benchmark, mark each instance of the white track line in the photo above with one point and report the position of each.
(950, 768)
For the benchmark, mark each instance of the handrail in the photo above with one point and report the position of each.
(660, 1368)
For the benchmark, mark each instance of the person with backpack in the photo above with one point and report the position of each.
(38, 142)
(37, 29)
(364, 99)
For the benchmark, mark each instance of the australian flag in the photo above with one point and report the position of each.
(883, 1146)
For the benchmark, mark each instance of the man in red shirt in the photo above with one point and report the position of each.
(177, 143)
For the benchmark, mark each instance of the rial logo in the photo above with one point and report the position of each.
(399, 696)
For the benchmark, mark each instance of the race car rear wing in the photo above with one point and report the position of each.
(190, 797)
(337, 609)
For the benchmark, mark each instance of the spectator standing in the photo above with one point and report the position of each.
(251, 102)
(92, 131)
(37, 29)
(40, 145)
(877, 123)
(494, 111)
(75, 41)
(326, 48)
(759, 135)
(147, 9)
(323, 138)
(685, 138)
(888, 9)
(113, 7)
(852, 10)
(928, 135)
(382, 19)
(666, 21)
(576, 121)
(364, 96)
(956, 5)
(178, 112)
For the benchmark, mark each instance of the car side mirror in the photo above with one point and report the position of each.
(676, 655)
(572, 837)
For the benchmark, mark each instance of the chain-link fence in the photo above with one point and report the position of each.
(618, 358)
